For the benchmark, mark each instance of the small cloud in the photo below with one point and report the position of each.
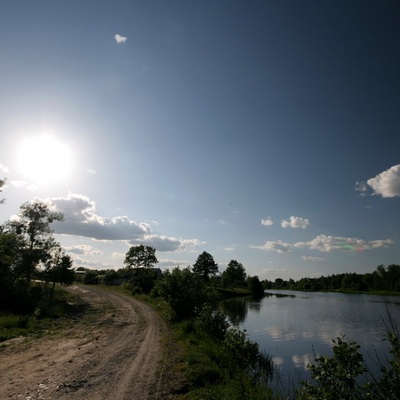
(311, 258)
(295, 222)
(4, 169)
(361, 188)
(117, 255)
(328, 244)
(120, 39)
(171, 263)
(92, 264)
(229, 248)
(267, 222)
(91, 171)
(83, 249)
(277, 246)
(23, 184)
(387, 183)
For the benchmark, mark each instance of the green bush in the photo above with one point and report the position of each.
(212, 321)
(183, 291)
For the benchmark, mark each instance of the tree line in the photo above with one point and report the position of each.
(141, 274)
(385, 279)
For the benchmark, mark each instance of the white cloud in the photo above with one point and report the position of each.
(171, 264)
(331, 243)
(91, 171)
(295, 222)
(81, 219)
(117, 255)
(165, 243)
(267, 222)
(92, 264)
(278, 246)
(23, 184)
(83, 249)
(311, 258)
(387, 183)
(120, 39)
(4, 169)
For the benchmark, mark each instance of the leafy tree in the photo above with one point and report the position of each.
(58, 269)
(110, 277)
(142, 258)
(205, 265)
(90, 278)
(9, 258)
(234, 275)
(335, 377)
(256, 287)
(183, 291)
(35, 235)
(2, 183)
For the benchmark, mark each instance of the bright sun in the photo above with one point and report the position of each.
(44, 159)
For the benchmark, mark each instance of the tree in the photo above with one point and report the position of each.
(110, 277)
(10, 256)
(205, 265)
(58, 269)
(234, 275)
(36, 237)
(256, 287)
(90, 278)
(2, 183)
(183, 291)
(140, 257)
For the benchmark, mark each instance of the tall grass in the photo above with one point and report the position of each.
(48, 317)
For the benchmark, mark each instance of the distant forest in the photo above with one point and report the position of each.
(381, 280)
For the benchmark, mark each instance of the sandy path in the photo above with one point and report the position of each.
(115, 352)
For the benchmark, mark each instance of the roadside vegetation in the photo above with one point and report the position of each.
(31, 264)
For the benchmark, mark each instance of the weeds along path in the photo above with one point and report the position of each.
(114, 352)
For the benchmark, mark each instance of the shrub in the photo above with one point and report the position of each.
(183, 291)
(212, 321)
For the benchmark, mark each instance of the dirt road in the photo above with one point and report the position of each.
(117, 351)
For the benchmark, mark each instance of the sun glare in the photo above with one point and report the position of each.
(44, 159)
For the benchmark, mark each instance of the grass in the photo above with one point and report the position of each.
(57, 314)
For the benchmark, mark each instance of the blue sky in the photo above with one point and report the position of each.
(266, 131)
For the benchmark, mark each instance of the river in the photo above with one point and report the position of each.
(295, 326)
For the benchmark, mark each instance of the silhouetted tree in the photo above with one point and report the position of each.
(142, 258)
(256, 287)
(35, 236)
(234, 275)
(205, 265)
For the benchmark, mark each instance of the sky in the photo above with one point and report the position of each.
(266, 132)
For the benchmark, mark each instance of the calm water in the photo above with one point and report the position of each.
(294, 326)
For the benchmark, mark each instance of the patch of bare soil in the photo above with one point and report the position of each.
(119, 349)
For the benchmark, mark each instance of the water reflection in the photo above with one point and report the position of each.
(293, 326)
(236, 310)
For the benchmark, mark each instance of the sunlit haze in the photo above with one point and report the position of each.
(44, 159)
